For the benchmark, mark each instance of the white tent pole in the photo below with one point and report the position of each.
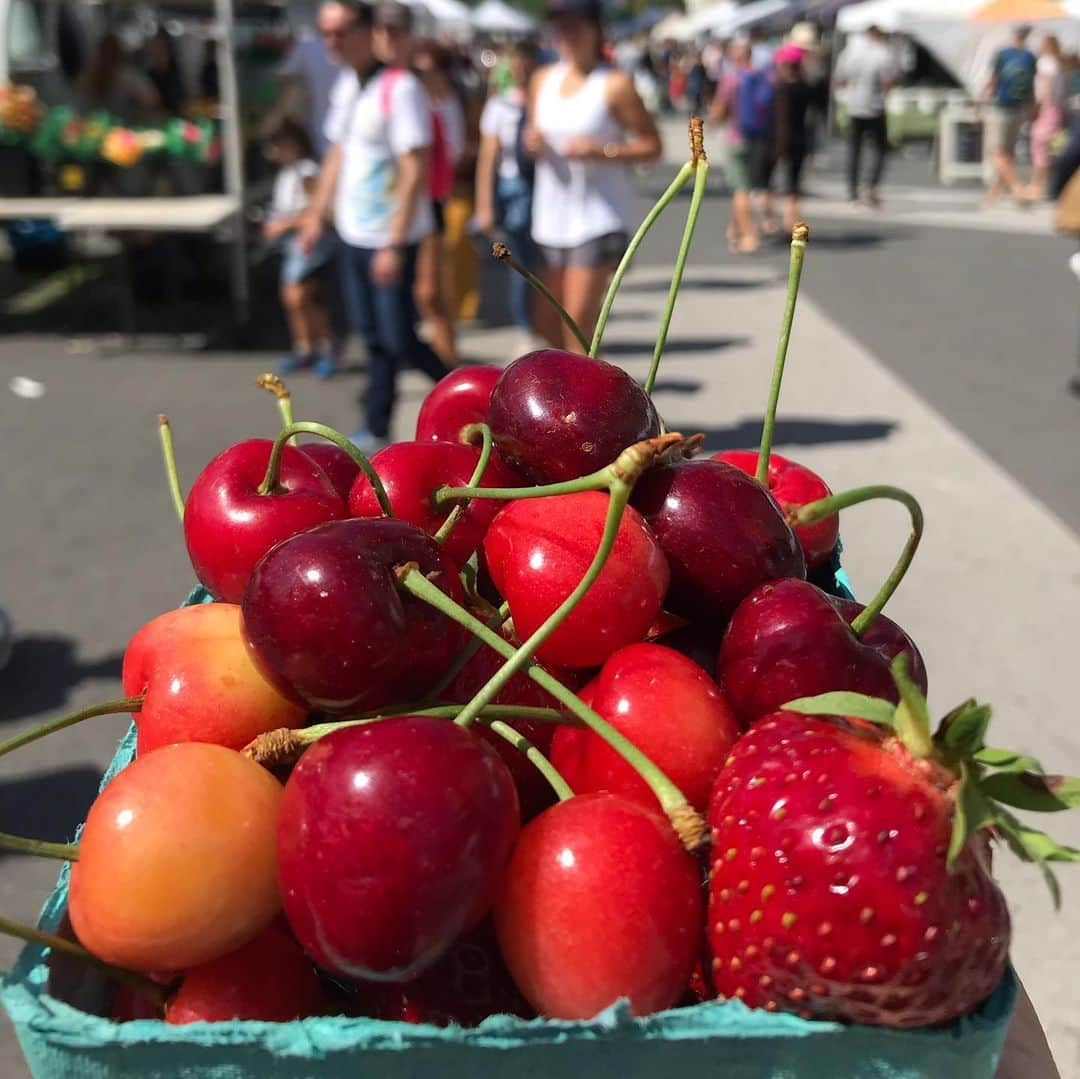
(232, 148)
(5, 15)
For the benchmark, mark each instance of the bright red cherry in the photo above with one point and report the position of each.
(412, 472)
(268, 979)
(176, 862)
(722, 532)
(600, 901)
(392, 841)
(556, 415)
(458, 399)
(229, 526)
(669, 708)
(886, 638)
(326, 622)
(199, 681)
(794, 486)
(788, 639)
(339, 467)
(538, 550)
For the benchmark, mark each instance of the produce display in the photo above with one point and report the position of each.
(539, 712)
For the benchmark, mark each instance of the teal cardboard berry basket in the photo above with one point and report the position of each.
(58, 1006)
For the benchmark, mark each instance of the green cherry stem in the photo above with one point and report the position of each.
(700, 165)
(275, 385)
(682, 178)
(502, 253)
(150, 989)
(40, 848)
(458, 511)
(799, 235)
(307, 427)
(538, 760)
(467, 653)
(106, 708)
(168, 454)
(825, 507)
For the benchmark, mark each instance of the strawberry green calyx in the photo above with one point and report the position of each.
(988, 782)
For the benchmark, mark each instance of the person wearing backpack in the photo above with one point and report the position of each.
(745, 104)
(1011, 92)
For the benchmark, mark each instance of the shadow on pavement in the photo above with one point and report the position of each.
(792, 432)
(674, 345)
(48, 805)
(691, 281)
(41, 673)
(685, 386)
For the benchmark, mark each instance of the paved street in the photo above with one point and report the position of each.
(931, 350)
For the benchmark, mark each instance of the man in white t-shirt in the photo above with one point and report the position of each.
(374, 181)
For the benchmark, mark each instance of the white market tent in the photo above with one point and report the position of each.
(446, 14)
(498, 17)
(673, 27)
(895, 16)
(747, 15)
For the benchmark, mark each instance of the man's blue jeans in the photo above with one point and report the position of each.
(385, 317)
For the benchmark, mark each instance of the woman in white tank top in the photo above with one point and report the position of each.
(586, 127)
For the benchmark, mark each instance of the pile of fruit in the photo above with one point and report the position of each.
(533, 713)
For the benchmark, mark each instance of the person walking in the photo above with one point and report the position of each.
(794, 99)
(374, 178)
(308, 75)
(504, 181)
(1050, 95)
(586, 126)
(1011, 91)
(865, 72)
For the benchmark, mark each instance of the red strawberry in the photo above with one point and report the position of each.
(846, 883)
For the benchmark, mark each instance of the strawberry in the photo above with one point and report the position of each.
(850, 875)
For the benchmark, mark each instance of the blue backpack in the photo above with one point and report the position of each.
(754, 104)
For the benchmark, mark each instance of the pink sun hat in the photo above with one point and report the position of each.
(789, 54)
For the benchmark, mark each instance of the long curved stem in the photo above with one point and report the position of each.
(799, 236)
(701, 176)
(535, 757)
(106, 708)
(307, 427)
(594, 481)
(150, 989)
(682, 177)
(458, 511)
(467, 653)
(824, 507)
(40, 848)
(501, 252)
(168, 454)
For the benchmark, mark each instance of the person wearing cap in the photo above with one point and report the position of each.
(374, 182)
(586, 126)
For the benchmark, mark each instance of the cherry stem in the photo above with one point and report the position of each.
(169, 455)
(825, 507)
(501, 252)
(799, 236)
(275, 385)
(106, 708)
(682, 177)
(535, 757)
(149, 989)
(40, 848)
(307, 427)
(458, 511)
(701, 176)
(495, 620)
(687, 823)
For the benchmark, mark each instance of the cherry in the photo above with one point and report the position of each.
(326, 623)
(788, 639)
(268, 979)
(411, 472)
(600, 901)
(669, 708)
(198, 681)
(886, 638)
(229, 525)
(538, 550)
(555, 415)
(176, 862)
(455, 401)
(393, 838)
(128, 1004)
(697, 642)
(339, 467)
(722, 532)
(794, 486)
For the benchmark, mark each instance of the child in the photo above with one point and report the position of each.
(301, 286)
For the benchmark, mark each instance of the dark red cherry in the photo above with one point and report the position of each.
(229, 526)
(886, 638)
(325, 621)
(458, 399)
(341, 469)
(392, 840)
(722, 532)
(556, 415)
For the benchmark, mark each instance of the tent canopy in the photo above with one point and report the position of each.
(498, 17)
(896, 16)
